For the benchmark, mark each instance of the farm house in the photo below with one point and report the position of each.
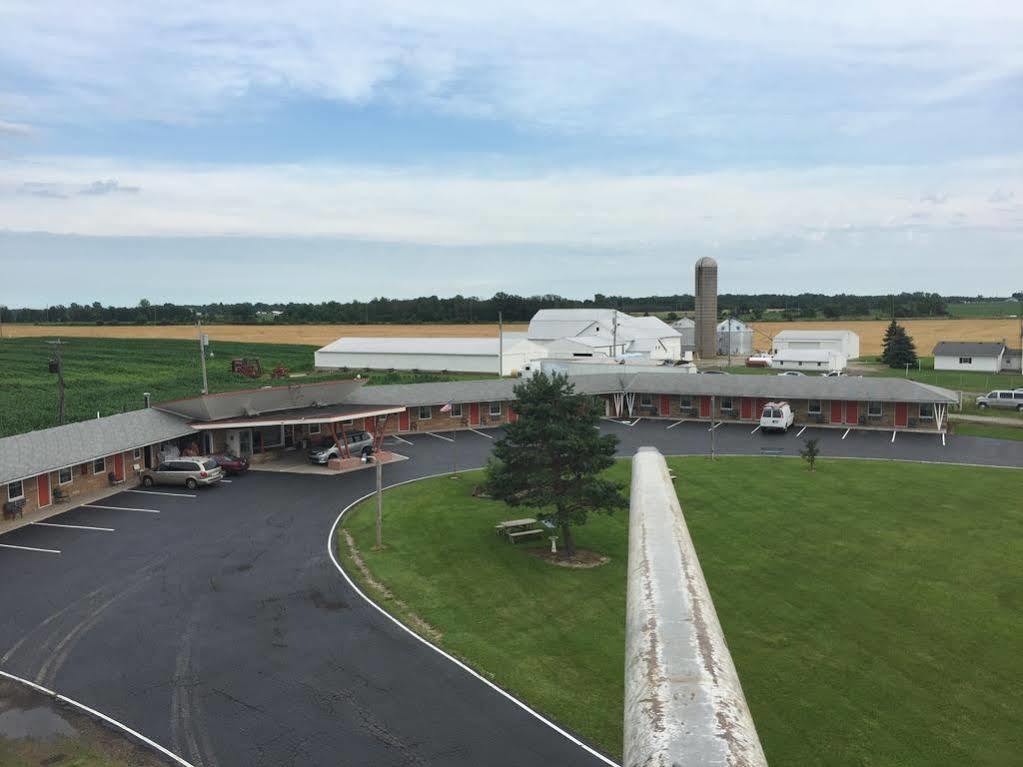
(843, 342)
(981, 357)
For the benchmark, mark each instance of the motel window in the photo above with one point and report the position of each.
(813, 407)
(686, 403)
(456, 410)
(314, 428)
(646, 400)
(495, 409)
(425, 412)
(348, 422)
(15, 491)
(726, 403)
(874, 409)
(65, 476)
(966, 360)
(926, 412)
(136, 454)
(99, 466)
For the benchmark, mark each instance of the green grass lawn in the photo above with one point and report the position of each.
(994, 431)
(874, 610)
(950, 379)
(109, 376)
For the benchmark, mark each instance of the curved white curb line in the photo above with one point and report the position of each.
(93, 712)
(331, 538)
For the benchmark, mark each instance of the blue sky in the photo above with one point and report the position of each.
(339, 151)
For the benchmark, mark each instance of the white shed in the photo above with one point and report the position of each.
(969, 355)
(809, 360)
(464, 355)
(845, 342)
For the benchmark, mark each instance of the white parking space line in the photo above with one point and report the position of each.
(28, 548)
(893, 436)
(801, 431)
(227, 481)
(673, 425)
(943, 439)
(157, 492)
(635, 422)
(758, 429)
(75, 527)
(715, 425)
(437, 436)
(481, 433)
(846, 433)
(405, 441)
(118, 508)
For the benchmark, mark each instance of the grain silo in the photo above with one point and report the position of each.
(706, 307)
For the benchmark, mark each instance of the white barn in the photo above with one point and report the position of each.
(608, 330)
(969, 355)
(809, 360)
(844, 342)
(463, 355)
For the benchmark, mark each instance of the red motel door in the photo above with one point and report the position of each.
(836, 411)
(512, 415)
(665, 404)
(746, 408)
(704, 407)
(851, 412)
(474, 414)
(403, 420)
(761, 404)
(370, 424)
(119, 467)
(43, 484)
(901, 414)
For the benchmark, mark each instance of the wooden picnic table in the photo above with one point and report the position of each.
(511, 524)
(518, 529)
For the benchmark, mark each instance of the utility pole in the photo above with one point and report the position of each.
(713, 431)
(614, 333)
(500, 344)
(380, 501)
(57, 366)
(202, 355)
(729, 320)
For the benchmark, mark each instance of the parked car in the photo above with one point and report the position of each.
(1003, 398)
(792, 373)
(190, 472)
(834, 374)
(359, 443)
(777, 416)
(232, 464)
(759, 360)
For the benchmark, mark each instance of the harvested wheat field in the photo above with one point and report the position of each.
(926, 333)
(317, 335)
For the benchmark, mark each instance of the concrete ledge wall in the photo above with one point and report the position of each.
(683, 701)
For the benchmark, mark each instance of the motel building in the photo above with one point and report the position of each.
(79, 462)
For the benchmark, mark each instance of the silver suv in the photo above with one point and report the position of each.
(359, 443)
(190, 472)
(1003, 398)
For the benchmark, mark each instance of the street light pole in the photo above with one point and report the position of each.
(380, 500)
(202, 356)
(57, 366)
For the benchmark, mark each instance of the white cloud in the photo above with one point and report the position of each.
(649, 66)
(564, 208)
(15, 129)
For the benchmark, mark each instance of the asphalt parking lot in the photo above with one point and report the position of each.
(215, 623)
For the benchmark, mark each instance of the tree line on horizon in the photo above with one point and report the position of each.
(470, 309)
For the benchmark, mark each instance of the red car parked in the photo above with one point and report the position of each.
(232, 464)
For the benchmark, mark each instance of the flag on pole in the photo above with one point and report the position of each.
(446, 408)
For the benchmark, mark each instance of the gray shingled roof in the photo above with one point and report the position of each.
(252, 402)
(968, 349)
(37, 452)
(855, 388)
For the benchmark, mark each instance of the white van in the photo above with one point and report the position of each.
(777, 416)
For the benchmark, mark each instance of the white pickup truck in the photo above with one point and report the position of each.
(777, 416)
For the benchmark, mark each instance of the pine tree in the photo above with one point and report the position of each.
(552, 457)
(898, 347)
